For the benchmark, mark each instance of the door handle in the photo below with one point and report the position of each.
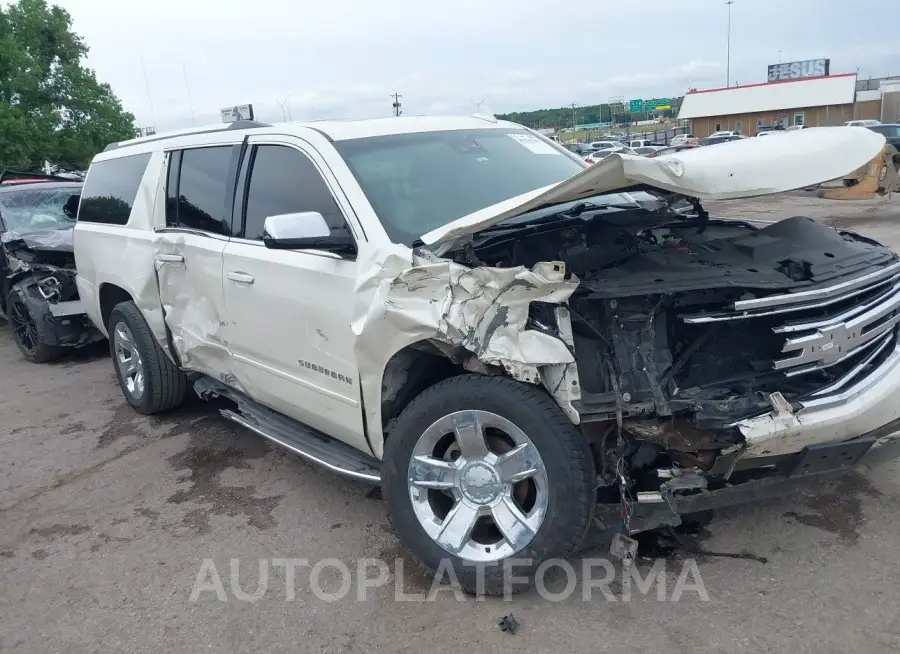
(170, 258)
(239, 277)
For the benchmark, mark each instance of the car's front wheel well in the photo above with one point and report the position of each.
(111, 296)
(409, 372)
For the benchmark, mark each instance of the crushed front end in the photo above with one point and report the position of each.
(40, 299)
(718, 363)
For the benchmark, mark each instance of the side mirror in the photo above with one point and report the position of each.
(306, 230)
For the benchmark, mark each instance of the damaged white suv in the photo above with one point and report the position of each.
(516, 346)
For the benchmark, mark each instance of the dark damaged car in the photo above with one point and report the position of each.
(38, 295)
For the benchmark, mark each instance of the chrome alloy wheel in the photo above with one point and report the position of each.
(128, 361)
(478, 486)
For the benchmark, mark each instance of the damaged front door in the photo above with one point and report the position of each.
(189, 256)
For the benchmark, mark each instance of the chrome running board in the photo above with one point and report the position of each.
(314, 447)
(309, 443)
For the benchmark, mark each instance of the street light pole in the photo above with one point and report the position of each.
(728, 55)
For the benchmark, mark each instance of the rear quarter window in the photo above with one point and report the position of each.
(111, 187)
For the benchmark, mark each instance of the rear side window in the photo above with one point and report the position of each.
(197, 191)
(111, 188)
(284, 180)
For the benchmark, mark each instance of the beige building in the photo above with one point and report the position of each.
(814, 102)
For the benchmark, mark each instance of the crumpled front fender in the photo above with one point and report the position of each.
(404, 298)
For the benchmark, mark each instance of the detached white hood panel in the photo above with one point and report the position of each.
(738, 169)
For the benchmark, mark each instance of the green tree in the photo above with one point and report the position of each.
(51, 106)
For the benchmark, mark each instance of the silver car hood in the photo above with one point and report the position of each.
(737, 169)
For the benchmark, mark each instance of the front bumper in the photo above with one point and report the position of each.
(814, 465)
(868, 405)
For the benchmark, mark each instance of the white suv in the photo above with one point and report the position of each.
(465, 312)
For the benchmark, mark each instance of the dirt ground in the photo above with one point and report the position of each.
(106, 518)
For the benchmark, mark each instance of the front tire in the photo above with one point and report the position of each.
(149, 380)
(487, 473)
(28, 329)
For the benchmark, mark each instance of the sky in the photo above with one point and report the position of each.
(343, 58)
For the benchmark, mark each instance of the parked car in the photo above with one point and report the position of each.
(713, 140)
(614, 146)
(862, 123)
(647, 150)
(38, 296)
(890, 132)
(724, 133)
(680, 139)
(599, 155)
(670, 150)
(640, 143)
(455, 308)
(581, 149)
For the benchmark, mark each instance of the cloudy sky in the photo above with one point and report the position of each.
(342, 58)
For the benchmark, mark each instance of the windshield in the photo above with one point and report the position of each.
(36, 209)
(419, 182)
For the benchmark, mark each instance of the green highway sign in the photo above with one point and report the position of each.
(634, 106)
(657, 104)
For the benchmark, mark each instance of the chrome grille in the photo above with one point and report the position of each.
(823, 343)
(849, 323)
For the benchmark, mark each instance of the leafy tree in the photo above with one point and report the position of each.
(598, 113)
(51, 106)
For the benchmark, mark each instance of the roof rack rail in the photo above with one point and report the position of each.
(238, 124)
(8, 175)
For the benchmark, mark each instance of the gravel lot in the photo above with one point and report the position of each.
(106, 518)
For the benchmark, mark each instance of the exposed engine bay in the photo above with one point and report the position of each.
(684, 325)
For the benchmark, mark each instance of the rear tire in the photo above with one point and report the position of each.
(472, 506)
(28, 329)
(150, 381)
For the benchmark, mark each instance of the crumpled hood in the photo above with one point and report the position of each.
(45, 240)
(736, 169)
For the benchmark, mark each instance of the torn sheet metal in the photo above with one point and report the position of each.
(191, 307)
(401, 300)
(55, 240)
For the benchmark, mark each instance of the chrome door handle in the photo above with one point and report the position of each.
(239, 277)
(170, 258)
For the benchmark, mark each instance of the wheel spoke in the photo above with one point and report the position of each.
(428, 472)
(123, 338)
(457, 527)
(469, 435)
(519, 463)
(512, 523)
(129, 366)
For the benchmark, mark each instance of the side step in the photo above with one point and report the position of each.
(309, 443)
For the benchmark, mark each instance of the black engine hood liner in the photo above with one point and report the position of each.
(793, 254)
(46, 240)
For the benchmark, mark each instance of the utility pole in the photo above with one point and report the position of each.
(397, 104)
(149, 95)
(728, 56)
(573, 120)
(188, 87)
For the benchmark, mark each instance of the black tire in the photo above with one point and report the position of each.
(165, 385)
(566, 456)
(28, 329)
